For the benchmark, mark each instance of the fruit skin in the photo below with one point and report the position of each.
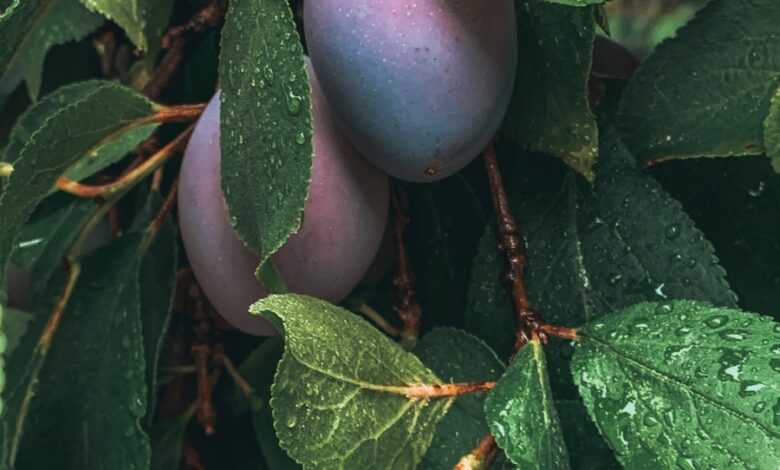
(344, 219)
(420, 86)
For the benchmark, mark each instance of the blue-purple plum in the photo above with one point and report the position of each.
(344, 219)
(420, 86)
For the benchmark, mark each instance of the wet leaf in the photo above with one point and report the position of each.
(550, 111)
(84, 399)
(335, 385)
(266, 123)
(29, 28)
(772, 132)
(684, 384)
(522, 416)
(457, 356)
(706, 92)
(143, 20)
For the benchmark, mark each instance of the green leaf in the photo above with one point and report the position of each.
(143, 20)
(157, 280)
(550, 111)
(15, 323)
(457, 356)
(274, 456)
(522, 416)
(29, 29)
(684, 384)
(340, 383)
(706, 92)
(50, 137)
(266, 123)
(168, 436)
(447, 219)
(46, 237)
(746, 193)
(578, 3)
(83, 401)
(772, 132)
(592, 249)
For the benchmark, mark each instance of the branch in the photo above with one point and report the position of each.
(132, 177)
(482, 457)
(176, 41)
(384, 325)
(407, 307)
(159, 219)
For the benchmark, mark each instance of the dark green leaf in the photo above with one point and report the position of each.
(684, 384)
(772, 131)
(338, 384)
(274, 456)
(67, 125)
(29, 29)
(457, 356)
(266, 123)
(158, 286)
(738, 211)
(522, 416)
(447, 219)
(86, 397)
(43, 241)
(143, 20)
(168, 437)
(15, 323)
(550, 111)
(706, 92)
(593, 249)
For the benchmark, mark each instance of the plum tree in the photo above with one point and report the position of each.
(419, 86)
(344, 220)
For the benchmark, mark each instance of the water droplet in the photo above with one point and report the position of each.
(292, 421)
(672, 232)
(716, 321)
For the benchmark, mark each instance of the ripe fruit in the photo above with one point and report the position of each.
(344, 219)
(419, 86)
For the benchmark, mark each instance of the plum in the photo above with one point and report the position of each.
(344, 219)
(420, 86)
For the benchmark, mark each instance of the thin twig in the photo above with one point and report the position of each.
(207, 416)
(240, 381)
(159, 219)
(132, 177)
(408, 308)
(482, 457)
(513, 246)
(176, 41)
(380, 321)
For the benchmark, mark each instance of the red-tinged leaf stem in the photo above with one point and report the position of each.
(408, 308)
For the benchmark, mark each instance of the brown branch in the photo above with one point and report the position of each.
(176, 41)
(513, 246)
(240, 381)
(159, 219)
(130, 178)
(207, 415)
(482, 457)
(408, 308)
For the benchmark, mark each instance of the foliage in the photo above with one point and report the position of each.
(644, 260)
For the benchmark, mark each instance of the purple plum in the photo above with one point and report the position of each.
(344, 220)
(420, 86)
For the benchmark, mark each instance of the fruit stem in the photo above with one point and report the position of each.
(408, 308)
(384, 325)
(482, 457)
(132, 177)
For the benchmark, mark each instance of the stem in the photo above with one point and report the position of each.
(240, 381)
(408, 308)
(159, 219)
(176, 41)
(435, 390)
(482, 457)
(132, 177)
(384, 325)
(207, 416)
(180, 113)
(560, 332)
(513, 246)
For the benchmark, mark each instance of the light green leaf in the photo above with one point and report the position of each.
(143, 20)
(85, 413)
(684, 384)
(339, 383)
(266, 123)
(550, 111)
(706, 92)
(522, 416)
(457, 356)
(772, 132)
(29, 29)
(64, 127)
